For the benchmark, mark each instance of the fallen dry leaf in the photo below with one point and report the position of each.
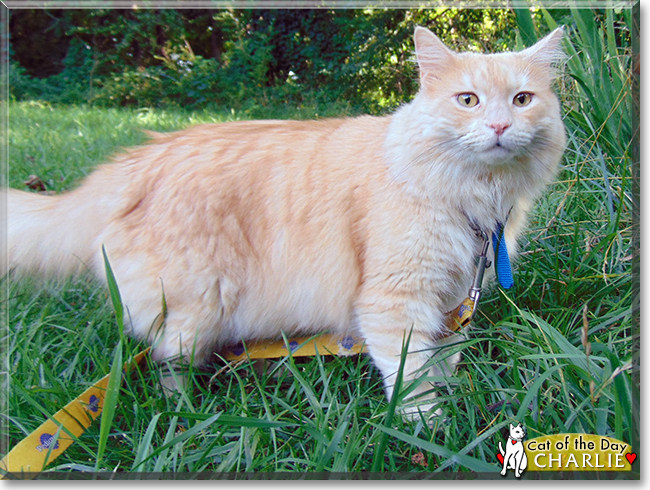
(418, 458)
(35, 183)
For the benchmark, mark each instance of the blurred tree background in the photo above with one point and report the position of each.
(359, 60)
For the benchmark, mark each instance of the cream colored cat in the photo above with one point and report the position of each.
(361, 225)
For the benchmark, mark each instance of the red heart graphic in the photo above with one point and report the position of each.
(514, 442)
(500, 458)
(630, 457)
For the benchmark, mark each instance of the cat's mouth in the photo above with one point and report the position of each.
(500, 152)
(499, 143)
(500, 147)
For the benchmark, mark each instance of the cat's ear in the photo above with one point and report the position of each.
(548, 51)
(512, 426)
(431, 53)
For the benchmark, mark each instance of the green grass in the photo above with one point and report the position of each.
(558, 353)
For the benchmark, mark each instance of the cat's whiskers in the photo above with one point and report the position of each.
(431, 153)
(547, 142)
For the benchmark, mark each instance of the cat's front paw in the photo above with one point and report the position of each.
(427, 412)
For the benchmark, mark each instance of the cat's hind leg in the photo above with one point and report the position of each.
(181, 327)
(504, 469)
(181, 341)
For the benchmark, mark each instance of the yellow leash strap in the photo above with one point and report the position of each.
(342, 346)
(56, 434)
(462, 316)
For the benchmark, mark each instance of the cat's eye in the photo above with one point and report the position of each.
(522, 99)
(467, 100)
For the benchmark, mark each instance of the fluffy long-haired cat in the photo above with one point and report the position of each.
(364, 225)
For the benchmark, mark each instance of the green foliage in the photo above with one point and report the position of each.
(70, 86)
(235, 58)
(191, 83)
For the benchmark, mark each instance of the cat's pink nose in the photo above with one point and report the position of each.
(500, 127)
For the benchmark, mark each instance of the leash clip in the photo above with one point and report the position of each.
(483, 263)
(463, 315)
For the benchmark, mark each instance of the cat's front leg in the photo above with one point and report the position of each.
(386, 330)
(522, 464)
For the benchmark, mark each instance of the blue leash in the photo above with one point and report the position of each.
(502, 266)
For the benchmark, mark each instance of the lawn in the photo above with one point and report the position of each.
(558, 352)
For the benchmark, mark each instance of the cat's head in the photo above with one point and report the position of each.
(490, 108)
(517, 432)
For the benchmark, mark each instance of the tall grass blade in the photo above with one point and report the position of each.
(467, 461)
(114, 291)
(145, 445)
(378, 458)
(525, 26)
(110, 402)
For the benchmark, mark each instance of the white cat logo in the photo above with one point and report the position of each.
(514, 456)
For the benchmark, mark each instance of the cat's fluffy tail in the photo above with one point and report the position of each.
(53, 235)
(503, 453)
